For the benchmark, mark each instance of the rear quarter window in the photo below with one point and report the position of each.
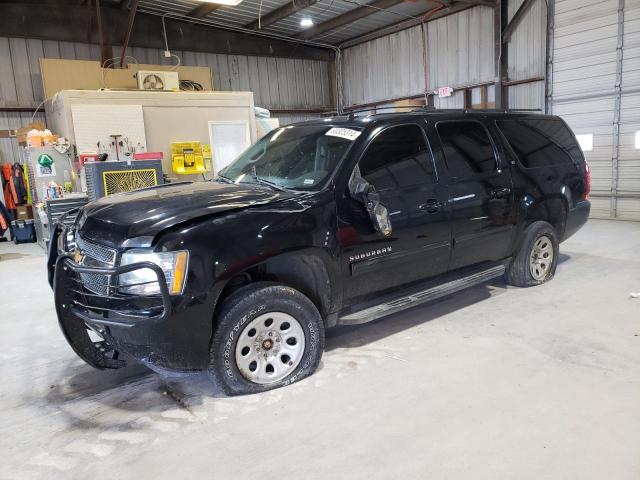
(467, 148)
(541, 142)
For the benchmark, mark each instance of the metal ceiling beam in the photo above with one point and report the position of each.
(517, 17)
(203, 10)
(106, 51)
(28, 20)
(280, 13)
(405, 24)
(127, 35)
(348, 17)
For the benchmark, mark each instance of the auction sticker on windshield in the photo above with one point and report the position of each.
(345, 133)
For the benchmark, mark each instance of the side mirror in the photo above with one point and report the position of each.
(379, 218)
(359, 188)
(363, 192)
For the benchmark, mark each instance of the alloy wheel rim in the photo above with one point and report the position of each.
(541, 258)
(270, 348)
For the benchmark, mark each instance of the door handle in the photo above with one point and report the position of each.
(500, 192)
(431, 206)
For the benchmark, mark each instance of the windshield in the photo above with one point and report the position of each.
(299, 157)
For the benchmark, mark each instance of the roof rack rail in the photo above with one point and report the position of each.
(352, 113)
(416, 109)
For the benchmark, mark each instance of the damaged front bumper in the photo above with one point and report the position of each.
(79, 309)
(156, 329)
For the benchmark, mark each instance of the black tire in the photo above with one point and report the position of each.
(519, 272)
(243, 306)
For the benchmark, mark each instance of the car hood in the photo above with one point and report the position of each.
(135, 218)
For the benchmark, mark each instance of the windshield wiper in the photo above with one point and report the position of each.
(256, 179)
(224, 179)
(268, 183)
(263, 181)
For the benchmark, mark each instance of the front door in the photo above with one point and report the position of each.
(399, 164)
(480, 194)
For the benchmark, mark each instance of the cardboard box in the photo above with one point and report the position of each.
(24, 212)
(21, 133)
(408, 104)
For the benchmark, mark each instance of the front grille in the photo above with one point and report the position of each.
(96, 283)
(97, 252)
(96, 256)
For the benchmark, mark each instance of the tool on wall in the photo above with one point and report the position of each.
(127, 146)
(115, 142)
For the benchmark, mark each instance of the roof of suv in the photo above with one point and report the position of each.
(364, 120)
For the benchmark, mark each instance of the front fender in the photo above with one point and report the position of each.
(293, 243)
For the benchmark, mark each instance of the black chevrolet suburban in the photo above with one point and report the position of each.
(330, 222)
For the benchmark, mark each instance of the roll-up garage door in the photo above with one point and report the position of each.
(595, 87)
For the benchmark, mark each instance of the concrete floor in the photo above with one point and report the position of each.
(493, 383)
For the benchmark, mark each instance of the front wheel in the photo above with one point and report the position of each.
(536, 260)
(267, 336)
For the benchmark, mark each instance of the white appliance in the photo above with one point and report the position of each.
(158, 80)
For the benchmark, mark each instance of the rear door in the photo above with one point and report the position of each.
(399, 164)
(481, 194)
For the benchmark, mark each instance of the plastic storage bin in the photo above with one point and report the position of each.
(24, 231)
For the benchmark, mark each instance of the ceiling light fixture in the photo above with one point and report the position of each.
(306, 22)
(223, 2)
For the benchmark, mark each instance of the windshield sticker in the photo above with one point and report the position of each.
(308, 181)
(345, 133)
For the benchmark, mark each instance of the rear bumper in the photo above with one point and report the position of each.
(169, 332)
(576, 218)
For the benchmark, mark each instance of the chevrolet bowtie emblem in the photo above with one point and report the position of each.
(78, 256)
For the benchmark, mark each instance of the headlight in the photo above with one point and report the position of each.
(61, 243)
(144, 281)
(66, 240)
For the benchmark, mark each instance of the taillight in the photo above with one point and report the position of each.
(587, 172)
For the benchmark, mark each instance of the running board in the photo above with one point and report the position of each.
(418, 298)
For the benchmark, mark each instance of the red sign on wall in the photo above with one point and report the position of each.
(444, 92)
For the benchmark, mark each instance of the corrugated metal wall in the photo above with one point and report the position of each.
(596, 88)
(277, 83)
(460, 48)
(384, 68)
(628, 183)
(526, 51)
(460, 52)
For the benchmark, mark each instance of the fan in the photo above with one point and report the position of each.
(152, 82)
(155, 80)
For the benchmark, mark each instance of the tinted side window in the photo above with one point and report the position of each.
(398, 157)
(540, 142)
(467, 148)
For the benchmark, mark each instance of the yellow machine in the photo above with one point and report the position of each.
(189, 158)
(127, 180)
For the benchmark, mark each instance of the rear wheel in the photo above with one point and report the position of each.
(536, 261)
(267, 336)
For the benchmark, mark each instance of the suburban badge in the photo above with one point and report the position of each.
(370, 254)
